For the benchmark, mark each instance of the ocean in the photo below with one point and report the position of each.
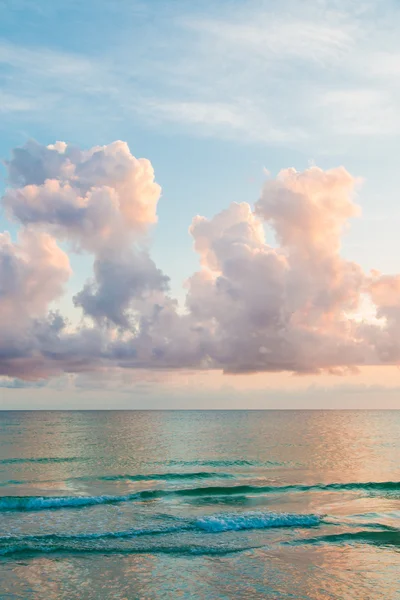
(200, 504)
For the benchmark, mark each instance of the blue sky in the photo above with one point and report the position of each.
(214, 94)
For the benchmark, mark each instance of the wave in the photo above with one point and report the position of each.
(45, 460)
(37, 503)
(386, 486)
(184, 550)
(161, 476)
(255, 520)
(168, 463)
(99, 543)
(26, 503)
(219, 463)
(387, 537)
(211, 524)
(236, 490)
(128, 477)
(60, 537)
(34, 503)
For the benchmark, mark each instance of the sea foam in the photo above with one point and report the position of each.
(255, 520)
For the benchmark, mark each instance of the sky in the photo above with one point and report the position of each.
(199, 204)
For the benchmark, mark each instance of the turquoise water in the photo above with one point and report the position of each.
(198, 504)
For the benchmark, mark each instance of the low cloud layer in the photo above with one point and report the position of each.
(294, 306)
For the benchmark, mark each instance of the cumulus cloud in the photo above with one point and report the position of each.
(93, 197)
(250, 307)
(385, 294)
(280, 308)
(101, 201)
(33, 272)
(119, 283)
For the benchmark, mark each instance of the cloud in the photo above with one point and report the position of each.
(280, 308)
(117, 282)
(385, 294)
(100, 201)
(33, 272)
(319, 73)
(17, 384)
(94, 196)
(251, 307)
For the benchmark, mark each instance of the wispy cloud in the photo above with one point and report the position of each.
(309, 72)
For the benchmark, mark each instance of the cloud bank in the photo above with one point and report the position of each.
(251, 307)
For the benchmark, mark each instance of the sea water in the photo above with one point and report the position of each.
(200, 504)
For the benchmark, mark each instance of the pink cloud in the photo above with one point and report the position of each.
(250, 308)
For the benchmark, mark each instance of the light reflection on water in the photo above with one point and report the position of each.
(352, 553)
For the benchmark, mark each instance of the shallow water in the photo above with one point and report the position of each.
(197, 504)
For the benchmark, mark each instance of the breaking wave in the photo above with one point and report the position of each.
(255, 520)
(100, 541)
(26, 503)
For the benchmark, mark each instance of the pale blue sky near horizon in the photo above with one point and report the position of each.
(213, 94)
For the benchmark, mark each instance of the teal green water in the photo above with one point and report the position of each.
(198, 504)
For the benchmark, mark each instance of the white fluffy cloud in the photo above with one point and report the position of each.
(250, 307)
